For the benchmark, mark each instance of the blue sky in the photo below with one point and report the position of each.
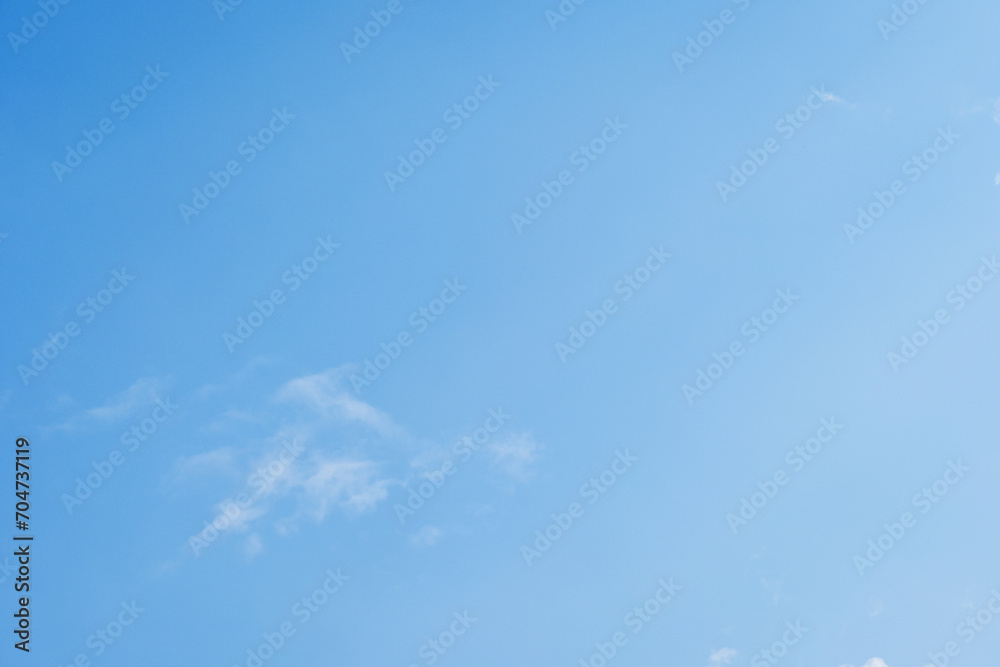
(193, 305)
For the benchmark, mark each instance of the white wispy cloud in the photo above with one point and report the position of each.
(515, 455)
(222, 459)
(349, 456)
(137, 398)
(827, 96)
(332, 469)
(252, 546)
(349, 485)
(325, 394)
(142, 392)
(723, 656)
(426, 536)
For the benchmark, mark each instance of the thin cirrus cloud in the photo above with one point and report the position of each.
(212, 461)
(830, 97)
(142, 392)
(337, 469)
(515, 455)
(723, 656)
(350, 485)
(325, 395)
(252, 546)
(139, 396)
(427, 536)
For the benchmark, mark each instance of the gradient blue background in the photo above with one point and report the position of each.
(655, 186)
